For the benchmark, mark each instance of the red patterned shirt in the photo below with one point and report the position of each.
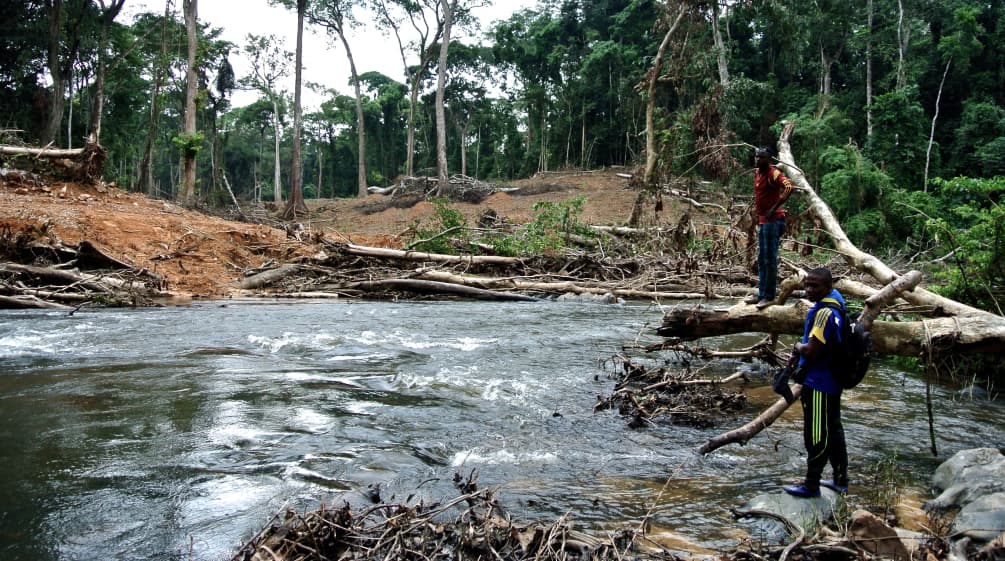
(771, 188)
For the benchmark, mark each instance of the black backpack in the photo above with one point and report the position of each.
(851, 357)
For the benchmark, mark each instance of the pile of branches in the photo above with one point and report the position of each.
(661, 394)
(81, 164)
(472, 526)
(35, 274)
(459, 188)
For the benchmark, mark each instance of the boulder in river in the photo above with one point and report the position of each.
(808, 514)
(967, 476)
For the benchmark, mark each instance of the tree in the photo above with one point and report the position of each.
(108, 14)
(297, 206)
(145, 181)
(961, 45)
(336, 16)
(190, 140)
(419, 14)
(63, 48)
(441, 84)
(651, 80)
(268, 67)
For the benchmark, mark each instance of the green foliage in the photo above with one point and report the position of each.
(971, 227)
(547, 233)
(900, 139)
(446, 225)
(979, 140)
(189, 144)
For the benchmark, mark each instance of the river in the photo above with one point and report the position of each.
(176, 433)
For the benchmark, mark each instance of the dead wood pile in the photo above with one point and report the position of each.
(459, 188)
(81, 164)
(649, 395)
(37, 273)
(348, 270)
(472, 526)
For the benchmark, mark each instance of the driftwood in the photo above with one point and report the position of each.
(266, 278)
(24, 302)
(386, 253)
(434, 287)
(82, 274)
(511, 283)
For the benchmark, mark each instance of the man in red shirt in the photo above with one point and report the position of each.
(771, 190)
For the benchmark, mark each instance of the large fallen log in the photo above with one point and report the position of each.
(433, 287)
(857, 258)
(560, 287)
(956, 335)
(386, 253)
(26, 302)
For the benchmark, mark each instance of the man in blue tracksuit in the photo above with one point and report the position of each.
(823, 433)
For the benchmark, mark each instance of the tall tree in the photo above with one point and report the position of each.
(449, 7)
(145, 179)
(108, 14)
(297, 206)
(652, 80)
(961, 45)
(190, 139)
(63, 48)
(720, 45)
(336, 16)
(268, 68)
(419, 14)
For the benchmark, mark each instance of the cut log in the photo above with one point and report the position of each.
(55, 276)
(433, 287)
(25, 302)
(385, 253)
(562, 287)
(856, 257)
(268, 277)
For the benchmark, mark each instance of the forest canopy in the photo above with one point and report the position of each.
(900, 103)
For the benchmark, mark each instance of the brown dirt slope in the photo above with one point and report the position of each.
(202, 255)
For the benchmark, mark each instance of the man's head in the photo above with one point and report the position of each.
(762, 157)
(818, 283)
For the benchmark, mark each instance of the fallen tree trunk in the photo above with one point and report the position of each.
(386, 253)
(15, 303)
(872, 308)
(40, 152)
(433, 287)
(855, 256)
(83, 164)
(552, 287)
(268, 277)
(959, 335)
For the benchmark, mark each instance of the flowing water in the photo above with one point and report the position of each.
(176, 433)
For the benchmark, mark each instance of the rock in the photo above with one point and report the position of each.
(876, 537)
(993, 551)
(807, 513)
(966, 476)
(588, 298)
(983, 519)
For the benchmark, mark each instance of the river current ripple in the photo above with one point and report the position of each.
(176, 433)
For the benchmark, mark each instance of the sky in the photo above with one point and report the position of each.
(323, 63)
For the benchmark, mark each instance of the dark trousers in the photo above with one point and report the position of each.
(769, 238)
(823, 435)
